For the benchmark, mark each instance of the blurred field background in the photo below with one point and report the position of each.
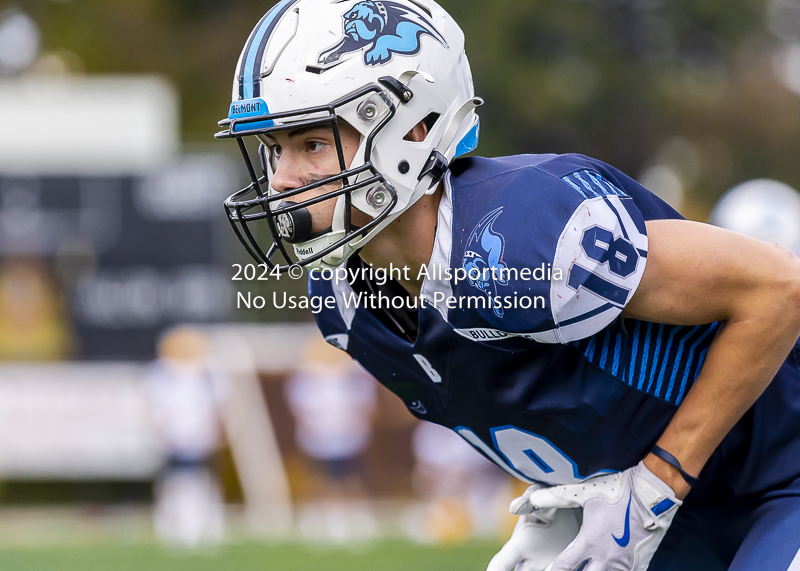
(112, 238)
(386, 556)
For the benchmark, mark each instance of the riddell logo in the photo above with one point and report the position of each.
(304, 251)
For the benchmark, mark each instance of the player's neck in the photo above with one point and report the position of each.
(408, 241)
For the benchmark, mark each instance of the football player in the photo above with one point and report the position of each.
(636, 368)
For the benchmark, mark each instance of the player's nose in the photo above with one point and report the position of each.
(288, 173)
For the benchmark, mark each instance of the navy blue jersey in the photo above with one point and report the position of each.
(520, 345)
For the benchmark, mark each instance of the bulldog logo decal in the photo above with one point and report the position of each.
(381, 29)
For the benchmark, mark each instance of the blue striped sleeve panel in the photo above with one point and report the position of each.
(660, 360)
(591, 184)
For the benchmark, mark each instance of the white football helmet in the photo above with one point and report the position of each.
(764, 209)
(382, 66)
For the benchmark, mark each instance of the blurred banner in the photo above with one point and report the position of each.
(107, 234)
(77, 421)
(82, 125)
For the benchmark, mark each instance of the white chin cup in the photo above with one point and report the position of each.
(334, 259)
(306, 249)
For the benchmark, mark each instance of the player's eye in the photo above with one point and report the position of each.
(315, 146)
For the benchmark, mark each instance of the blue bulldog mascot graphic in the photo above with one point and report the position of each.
(381, 29)
(483, 258)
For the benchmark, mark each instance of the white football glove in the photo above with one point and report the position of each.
(625, 517)
(537, 538)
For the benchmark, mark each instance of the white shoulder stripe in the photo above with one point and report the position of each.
(342, 291)
(442, 249)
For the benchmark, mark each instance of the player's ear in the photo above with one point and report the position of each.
(417, 133)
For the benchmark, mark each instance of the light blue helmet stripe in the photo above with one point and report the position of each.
(258, 39)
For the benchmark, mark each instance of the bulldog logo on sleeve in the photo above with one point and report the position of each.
(483, 258)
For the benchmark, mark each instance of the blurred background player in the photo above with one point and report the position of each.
(463, 494)
(333, 402)
(186, 398)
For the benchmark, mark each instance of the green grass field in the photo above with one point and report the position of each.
(379, 556)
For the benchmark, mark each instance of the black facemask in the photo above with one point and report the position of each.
(289, 221)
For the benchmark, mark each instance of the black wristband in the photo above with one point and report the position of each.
(672, 461)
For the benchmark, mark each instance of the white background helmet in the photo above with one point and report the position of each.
(764, 209)
(381, 66)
